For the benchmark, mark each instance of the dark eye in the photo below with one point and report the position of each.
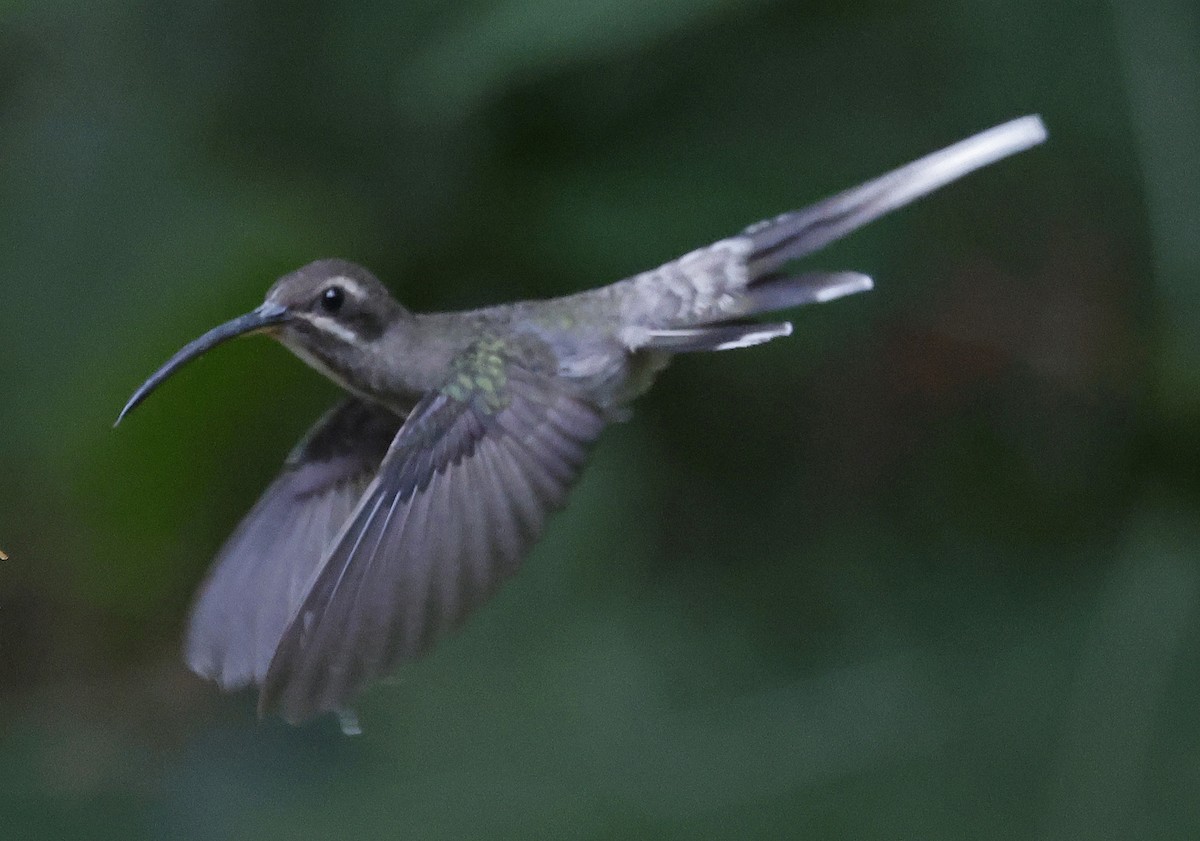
(332, 299)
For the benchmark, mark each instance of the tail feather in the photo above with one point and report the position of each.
(776, 292)
(741, 275)
(780, 292)
(713, 337)
(801, 232)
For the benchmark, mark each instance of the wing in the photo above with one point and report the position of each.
(460, 498)
(261, 574)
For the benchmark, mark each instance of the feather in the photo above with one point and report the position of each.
(262, 573)
(432, 537)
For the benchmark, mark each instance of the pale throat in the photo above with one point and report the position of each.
(397, 403)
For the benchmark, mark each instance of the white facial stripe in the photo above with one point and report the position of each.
(350, 285)
(329, 325)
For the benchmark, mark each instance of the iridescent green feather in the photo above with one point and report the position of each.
(479, 375)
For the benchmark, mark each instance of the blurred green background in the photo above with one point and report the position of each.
(928, 569)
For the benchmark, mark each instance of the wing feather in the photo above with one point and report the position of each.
(460, 498)
(263, 572)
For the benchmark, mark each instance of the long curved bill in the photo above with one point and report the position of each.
(801, 232)
(264, 317)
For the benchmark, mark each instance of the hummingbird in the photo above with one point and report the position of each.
(407, 504)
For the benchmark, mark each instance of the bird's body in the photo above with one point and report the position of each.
(407, 504)
(606, 342)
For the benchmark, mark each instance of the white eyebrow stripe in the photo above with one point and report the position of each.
(349, 284)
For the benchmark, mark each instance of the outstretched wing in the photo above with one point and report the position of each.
(261, 574)
(460, 498)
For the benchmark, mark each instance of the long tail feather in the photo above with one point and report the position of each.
(801, 232)
(742, 275)
(780, 292)
(714, 337)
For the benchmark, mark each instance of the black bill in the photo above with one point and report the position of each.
(262, 318)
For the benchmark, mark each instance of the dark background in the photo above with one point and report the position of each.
(925, 570)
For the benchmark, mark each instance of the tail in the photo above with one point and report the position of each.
(699, 301)
(768, 295)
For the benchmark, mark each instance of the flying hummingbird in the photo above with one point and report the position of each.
(408, 503)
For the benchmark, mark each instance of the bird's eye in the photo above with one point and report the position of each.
(332, 299)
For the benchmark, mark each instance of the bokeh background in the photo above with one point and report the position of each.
(928, 569)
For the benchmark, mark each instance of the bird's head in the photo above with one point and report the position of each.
(328, 313)
(329, 302)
